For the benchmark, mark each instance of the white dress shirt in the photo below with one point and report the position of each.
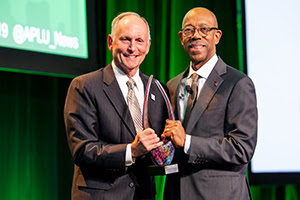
(139, 93)
(203, 72)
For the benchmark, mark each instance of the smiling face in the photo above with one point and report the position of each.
(130, 44)
(200, 48)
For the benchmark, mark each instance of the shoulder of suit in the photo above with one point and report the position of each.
(234, 73)
(88, 78)
(226, 70)
(174, 81)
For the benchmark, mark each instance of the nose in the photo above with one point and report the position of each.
(132, 46)
(197, 34)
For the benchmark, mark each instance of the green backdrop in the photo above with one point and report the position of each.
(35, 162)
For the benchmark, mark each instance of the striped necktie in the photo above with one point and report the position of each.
(134, 106)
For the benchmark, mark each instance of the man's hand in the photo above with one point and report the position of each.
(145, 141)
(175, 131)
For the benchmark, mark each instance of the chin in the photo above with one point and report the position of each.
(130, 65)
(197, 59)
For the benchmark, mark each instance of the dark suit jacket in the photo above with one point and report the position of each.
(99, 127)
(223, 129)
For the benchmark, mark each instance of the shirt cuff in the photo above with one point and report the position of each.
(187, 144)
(128, 159)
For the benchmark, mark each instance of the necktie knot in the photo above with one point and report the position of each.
(195, 77)
(130, 84)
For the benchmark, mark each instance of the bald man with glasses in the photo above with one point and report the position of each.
(216, 128)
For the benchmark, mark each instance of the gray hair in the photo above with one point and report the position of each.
(116, 20)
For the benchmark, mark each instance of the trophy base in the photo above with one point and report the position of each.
(155, 170)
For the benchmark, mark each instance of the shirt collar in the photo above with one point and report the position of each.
(122, 78)
(205, 70)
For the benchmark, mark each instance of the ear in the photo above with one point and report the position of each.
(148, 46)
(217, 36)
(180, 34)
(110, 42)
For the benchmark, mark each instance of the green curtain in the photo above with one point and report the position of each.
(35, 162)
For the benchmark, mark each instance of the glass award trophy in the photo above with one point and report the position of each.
(163, 155)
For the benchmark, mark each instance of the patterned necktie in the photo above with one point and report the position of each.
(192, 98)
(134, 106)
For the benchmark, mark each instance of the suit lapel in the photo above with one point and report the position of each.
(174, 96)
(208, 91)
(144, 79)
(114, 94)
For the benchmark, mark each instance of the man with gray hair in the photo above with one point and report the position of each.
(103, 120)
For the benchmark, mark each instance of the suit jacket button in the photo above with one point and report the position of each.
(131, 184)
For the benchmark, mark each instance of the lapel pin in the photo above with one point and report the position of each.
(216, 83)
(153, 97)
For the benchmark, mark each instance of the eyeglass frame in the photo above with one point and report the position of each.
(199, 31)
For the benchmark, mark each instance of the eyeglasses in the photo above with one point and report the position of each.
(190, 31)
